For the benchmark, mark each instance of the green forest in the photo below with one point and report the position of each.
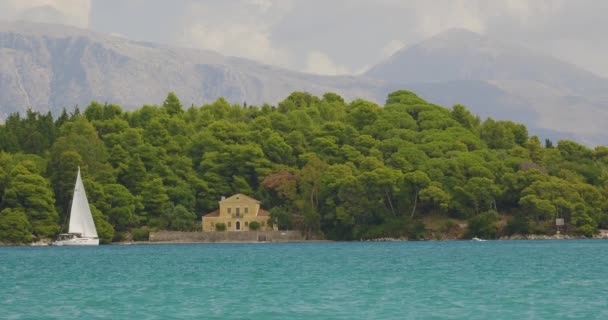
(332, 169)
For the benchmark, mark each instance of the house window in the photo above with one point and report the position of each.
(246, 223)
(229, 224)
(246, 209)
(229, 210)
(238, 211)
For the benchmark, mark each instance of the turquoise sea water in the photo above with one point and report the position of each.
(397, 280)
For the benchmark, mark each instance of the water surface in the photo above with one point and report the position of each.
(564, 279)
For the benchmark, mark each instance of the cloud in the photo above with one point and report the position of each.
(235, 40)
(70, 12)
(263, 5)
(118, 35)
(320, 63)
(240, 29)
(528, 12)
(432, 17)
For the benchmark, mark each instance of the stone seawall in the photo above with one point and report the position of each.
(240, 236)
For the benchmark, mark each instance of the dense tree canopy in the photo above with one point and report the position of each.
(342, 170)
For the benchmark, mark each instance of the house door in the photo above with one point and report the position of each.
(238, 225)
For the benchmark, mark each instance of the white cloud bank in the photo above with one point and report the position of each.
(241, 29)
(318, 62)
(69, 12)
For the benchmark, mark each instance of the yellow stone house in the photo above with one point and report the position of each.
(236, 213)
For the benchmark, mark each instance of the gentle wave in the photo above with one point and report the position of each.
(390, 280)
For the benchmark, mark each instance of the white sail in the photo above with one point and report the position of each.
(81, 219)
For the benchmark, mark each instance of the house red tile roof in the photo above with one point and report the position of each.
(263, 213)
(215, 213)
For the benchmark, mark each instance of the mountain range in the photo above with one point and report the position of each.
(51, 67)
(503, 80)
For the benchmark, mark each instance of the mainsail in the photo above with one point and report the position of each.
(81, 219)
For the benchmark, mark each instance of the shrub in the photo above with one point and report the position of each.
(254, 225)
(517, 225)
(181, 219)
(140, 234)
(197, 226)
(603, 221)
(119, 236)
(483, 225)
(585, 225)
(281, 217)
(14, 227)
(372, 232)
(448, 226)
(220, 227)
(585, 230)
(395, 228)
(417, 230)
(542, 227)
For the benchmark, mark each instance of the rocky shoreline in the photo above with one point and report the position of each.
(602, 234)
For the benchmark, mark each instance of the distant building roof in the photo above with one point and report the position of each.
(263, 213)
(240, 198)
(215, 213)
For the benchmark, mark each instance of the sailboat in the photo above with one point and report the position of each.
(82, 230)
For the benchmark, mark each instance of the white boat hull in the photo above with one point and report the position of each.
(78, 242)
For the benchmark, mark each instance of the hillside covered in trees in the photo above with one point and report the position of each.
(338, 170)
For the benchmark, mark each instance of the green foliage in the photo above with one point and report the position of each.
(179, 218)
(172, 104)
(220, 226)
(281, 217)
(121, 213)
(32, 194)
(417, 230)
(586, 230)
(14, 227)
(603, 221)
(34, 133)
(517, 225)
(119, 236)
(465, 117)
(435, 198)
(254, 225)
(105, 230)
(478, 193)
(319, 164)
(154, 197)
(483, 226)
(416, 181)
(393, 228)
(140, 234)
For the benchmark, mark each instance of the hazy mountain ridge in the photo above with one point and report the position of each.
(50, 67)
(500, 79)
(459, 54)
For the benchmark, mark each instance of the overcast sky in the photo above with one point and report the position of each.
(333, 36)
